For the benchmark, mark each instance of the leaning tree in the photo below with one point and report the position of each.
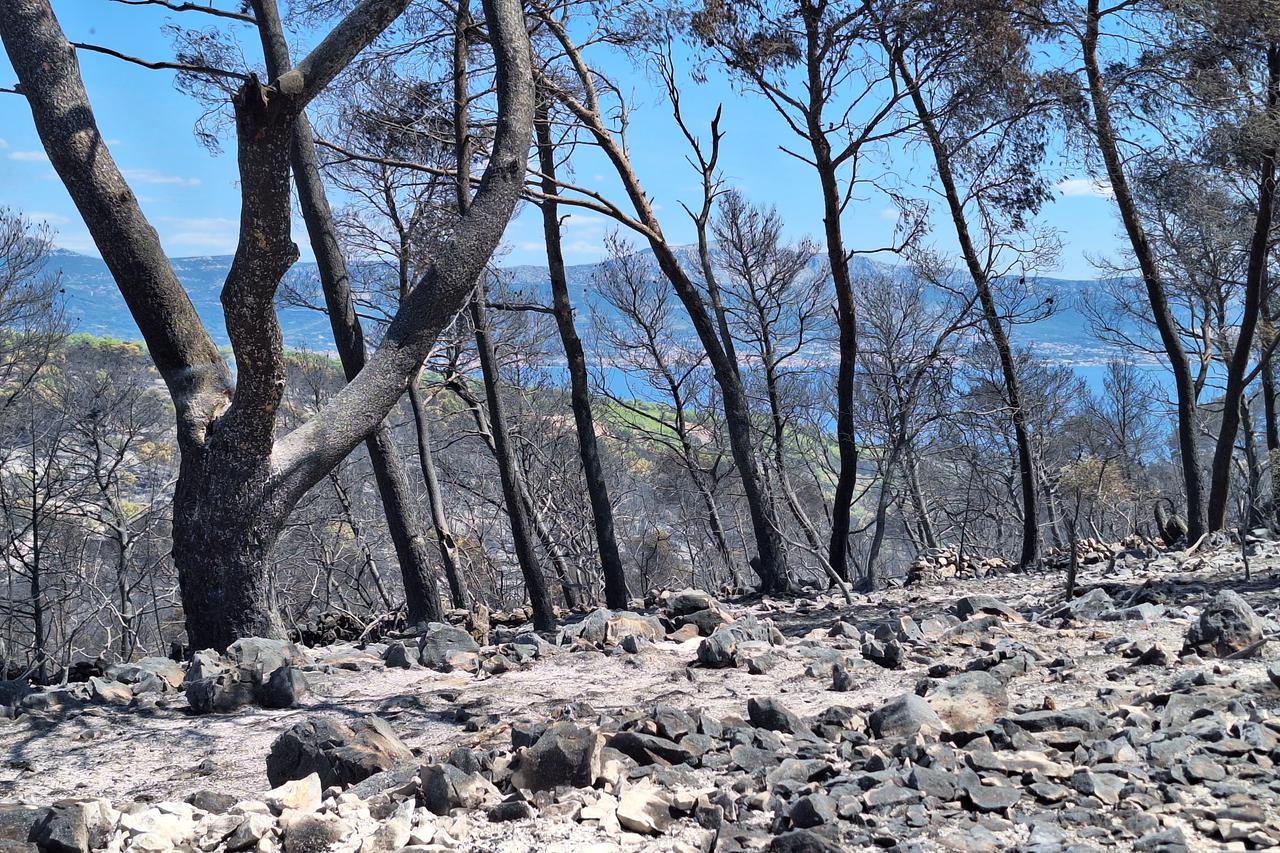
(238, 480)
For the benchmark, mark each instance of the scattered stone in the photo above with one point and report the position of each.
(813, 810)
(644, 808)
(1227, 625)
(969, 701)
(338, 753)
(397, 656)
(985, 605)
(446, 787)
(265, 655)
(565, 754)
(445, 648)
(769, 713)
(283, 689)
(107, 692)
(721, 648)
(991, 798)
(227, 691)
(905, 716)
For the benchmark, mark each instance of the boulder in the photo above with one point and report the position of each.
(61, 828)
(445, 648)
(1226, 626)
(985, 605)
(397, 656)
(689, 601)
(1094, 604)
(605, 627)
(205, 664)
(969, 701)
(644, 808)
(338, 753)
(13, 692)
(904, 716)
(107, 692)
(769, 713)
(565, 754)
(224, 692)
(721, 648)
(297, 794)
(283, 689)
(313, 833)
(446, 787)
(265, 655)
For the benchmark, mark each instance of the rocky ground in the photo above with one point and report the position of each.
(980, 714)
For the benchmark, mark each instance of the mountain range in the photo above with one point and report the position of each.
(94, 305)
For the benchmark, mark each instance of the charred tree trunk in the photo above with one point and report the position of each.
(509, 471)
(422, 597)
(238, 481)
(1255, 289)
(1105, 135)
(615, 577)
(226, 520)
(446, 544)
(990, 313)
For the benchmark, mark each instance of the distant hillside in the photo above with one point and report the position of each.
(95, 306)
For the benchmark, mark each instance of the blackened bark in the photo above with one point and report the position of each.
(422, 598)
(1105, 136)
(226, 520)
(1255, 288)
(991, 315)
(508, 470)
(615, 577)
(459, 595)
(847, 325)
(236, 484)
(770, 562)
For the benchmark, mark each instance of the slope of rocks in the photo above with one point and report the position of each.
(976, 715)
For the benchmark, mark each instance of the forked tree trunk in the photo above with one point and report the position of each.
(1260, 247)
(237, 480)
(422, 597)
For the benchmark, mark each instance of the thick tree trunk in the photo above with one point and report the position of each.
(237, 481)
(615, 578)
(420, 584)
(1105, 135)
(226, 518)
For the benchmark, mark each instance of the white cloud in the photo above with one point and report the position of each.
(48, 218)
(199, 234)
(153, 176)
(4, 143)
(1084, 187)
(29, 156)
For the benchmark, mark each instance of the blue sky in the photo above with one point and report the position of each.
(190, 195)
